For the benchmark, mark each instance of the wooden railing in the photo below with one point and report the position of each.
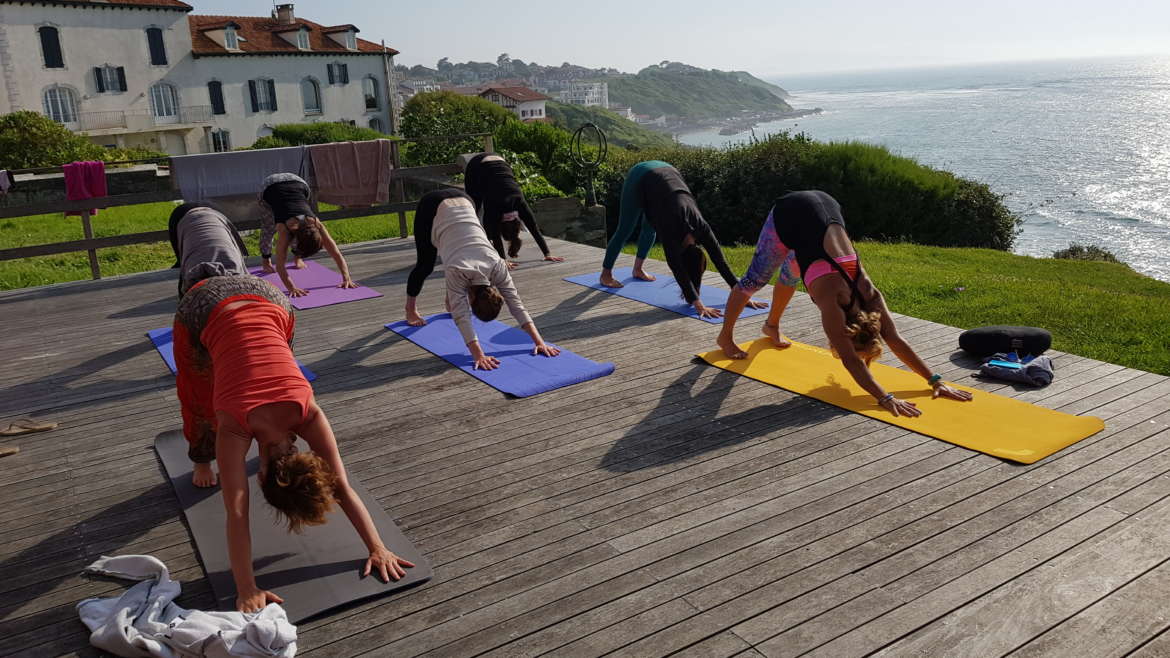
(398, 205)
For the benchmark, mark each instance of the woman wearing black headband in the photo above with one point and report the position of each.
(285, 198)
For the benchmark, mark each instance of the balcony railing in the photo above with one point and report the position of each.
(142, 119)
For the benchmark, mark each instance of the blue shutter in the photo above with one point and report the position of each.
(51, 48)
(97, 78)
(158, 53)
(344, 73)
(272, 95)
(215, 92)
(122, 78)
(252, 93)
(329, 69)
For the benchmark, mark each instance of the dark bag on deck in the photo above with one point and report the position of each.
(985, 341)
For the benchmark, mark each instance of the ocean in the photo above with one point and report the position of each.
(1080, 149)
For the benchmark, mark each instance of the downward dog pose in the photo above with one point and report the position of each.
(206, 244)
(805, 232)
(490, 183)
(238, 381)
(446, 226)
(285, 200)
(656, 197)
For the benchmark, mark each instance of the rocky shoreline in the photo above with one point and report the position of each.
(733, 125)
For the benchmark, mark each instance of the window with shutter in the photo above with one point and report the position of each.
(158, 53)
(254, 94)
(370, 91)
(51, 47)
(311, 96)
(272, 95)
(344, 73)
(60, 104)
(329, 70)
(99, 79)
(221, 140)
(121, 73)
(215, 92)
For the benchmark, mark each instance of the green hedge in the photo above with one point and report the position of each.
(885, 197)
(324, 132)
(29, 140)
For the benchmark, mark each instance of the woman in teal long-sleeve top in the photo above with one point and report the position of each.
(655, 197)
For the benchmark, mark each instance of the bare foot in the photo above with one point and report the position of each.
(608, 281)
(778, 339)
(414, 319)
(643, 275)
(730, 349)
(203, 476)
(299, 263)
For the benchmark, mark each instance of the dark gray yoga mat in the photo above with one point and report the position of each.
(313, 572)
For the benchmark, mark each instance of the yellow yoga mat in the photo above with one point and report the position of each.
(997, 425)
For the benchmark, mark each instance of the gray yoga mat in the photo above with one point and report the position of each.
(313, 572)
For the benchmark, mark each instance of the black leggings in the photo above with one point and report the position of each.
(424, 221)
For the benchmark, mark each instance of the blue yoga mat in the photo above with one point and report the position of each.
(663, 293)
(165, 345)
(521, 373)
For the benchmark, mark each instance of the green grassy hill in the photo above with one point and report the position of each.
(679, 90)
(619, 131)
(749, 79)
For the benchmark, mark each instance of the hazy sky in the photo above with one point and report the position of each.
(766, 37)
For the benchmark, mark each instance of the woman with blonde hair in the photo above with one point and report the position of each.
(804, 234)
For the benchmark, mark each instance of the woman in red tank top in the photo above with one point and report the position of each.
(238, 381)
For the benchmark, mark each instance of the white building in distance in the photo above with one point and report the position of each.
(147, 73)
(589, 94)
(525, 103)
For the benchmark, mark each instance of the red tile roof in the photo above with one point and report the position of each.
(143, 4)
(521, 94)
(261, 36)
(340, 28)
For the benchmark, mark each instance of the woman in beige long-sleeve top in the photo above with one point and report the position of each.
(478, 281)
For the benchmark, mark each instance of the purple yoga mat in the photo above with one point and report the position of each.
(321, 282)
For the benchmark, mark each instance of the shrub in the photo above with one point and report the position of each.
(322, 132)
(447, 113)
(29, 140)
(1086, 252)
(885, 197)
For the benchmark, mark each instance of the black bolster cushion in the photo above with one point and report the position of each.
(985, 341)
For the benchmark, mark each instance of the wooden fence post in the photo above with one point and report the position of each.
(396, 161)
(488, 144)
(94, 266)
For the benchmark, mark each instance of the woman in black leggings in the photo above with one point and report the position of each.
(500, 203)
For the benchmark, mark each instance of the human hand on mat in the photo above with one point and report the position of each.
(555, 259)
(297, 292)
(751, 303)
(253, 599)
(486, 362)
(951, 392)
(386, 565)
(513, 265)
(347, 283)
(706, 311)
(900, 407)
(547, 350)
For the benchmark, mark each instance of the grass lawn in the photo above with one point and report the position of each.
(1100, 310)
(42, 229)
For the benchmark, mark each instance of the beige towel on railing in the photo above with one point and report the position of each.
(352, 173)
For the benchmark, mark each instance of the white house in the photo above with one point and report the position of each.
(148, 73)
(623, 112)
(585, 93)
(525, 103)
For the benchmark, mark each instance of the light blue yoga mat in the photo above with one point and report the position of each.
(663, 293)
(521, 373)
(164, 343)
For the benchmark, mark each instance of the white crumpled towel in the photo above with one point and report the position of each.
(144, 620)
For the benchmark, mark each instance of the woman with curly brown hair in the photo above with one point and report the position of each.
(238, 381)
(805, 233)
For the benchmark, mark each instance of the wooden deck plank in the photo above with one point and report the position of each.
(668, 507)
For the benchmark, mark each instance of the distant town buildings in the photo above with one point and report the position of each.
(589, 94)
(527, 104)
(623, 112)
(148, 73)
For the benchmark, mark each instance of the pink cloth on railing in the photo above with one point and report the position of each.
(84, 180)
(352, 173)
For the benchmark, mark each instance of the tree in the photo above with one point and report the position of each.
(444, 64)
(504, 62)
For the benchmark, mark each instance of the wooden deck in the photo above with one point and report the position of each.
(670, 508)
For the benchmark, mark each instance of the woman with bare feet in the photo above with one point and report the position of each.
(490, 183)
(478, 282)
(805, 233)
(655, 197)
(288, 214)
(238, 381)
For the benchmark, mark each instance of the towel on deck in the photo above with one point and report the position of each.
(84, 180)
(352, 173)
(212, 175)
(144, 620)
